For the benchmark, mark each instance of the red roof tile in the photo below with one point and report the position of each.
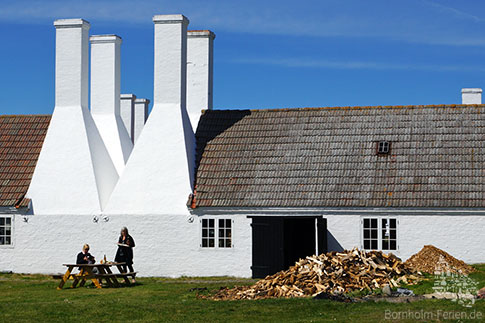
(21, 139)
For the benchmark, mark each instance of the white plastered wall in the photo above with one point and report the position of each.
(165, 245)
(169, 245)
(461, 236)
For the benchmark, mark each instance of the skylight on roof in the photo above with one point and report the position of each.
(383, 147)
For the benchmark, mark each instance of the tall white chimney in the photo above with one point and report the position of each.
(170, 68)
(471, 96)
(105, 97)
(74, 173)
(127, 110)
(140, 117)
(200, 59)
(160, 172)
(72, 59)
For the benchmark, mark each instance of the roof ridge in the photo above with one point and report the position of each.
(354, 107)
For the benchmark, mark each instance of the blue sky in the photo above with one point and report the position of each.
(267, 53)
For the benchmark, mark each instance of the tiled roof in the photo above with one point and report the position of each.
(21, 138)
(326, 157)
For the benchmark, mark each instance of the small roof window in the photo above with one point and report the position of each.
(383, 147)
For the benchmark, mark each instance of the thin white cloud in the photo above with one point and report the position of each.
(353, 65)
(408, 21)
(454, 11)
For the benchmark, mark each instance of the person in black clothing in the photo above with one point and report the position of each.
(84, 257)
(125, 250)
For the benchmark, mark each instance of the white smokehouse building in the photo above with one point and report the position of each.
(248, 192)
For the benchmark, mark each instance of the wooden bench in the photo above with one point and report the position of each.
(120, 275)
(86, 273)
(60, 276)
(130, 274)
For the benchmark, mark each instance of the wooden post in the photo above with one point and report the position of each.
(65, 277)
(76, 278)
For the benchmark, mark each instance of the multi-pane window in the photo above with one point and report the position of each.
(379, 234)
(5, 231)
(208, 233)
(389, 234)
(216, 230)
(383, 147)
(224, 233)
(370, 234)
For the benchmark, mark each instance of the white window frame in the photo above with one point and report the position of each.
(12, 230)
(216, 234)
(208, 235)
(379, 232)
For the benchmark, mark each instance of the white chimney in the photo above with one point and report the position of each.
(170, 68)
(74, 173)
(140, 117)
(72, 59)
(160, 172)
(105, 98)
(200, 58)
(127, 110)
(471, 96)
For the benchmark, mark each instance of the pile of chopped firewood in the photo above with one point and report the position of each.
(431, 259)
(334, 272)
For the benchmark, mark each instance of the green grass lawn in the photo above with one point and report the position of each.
(26, 298)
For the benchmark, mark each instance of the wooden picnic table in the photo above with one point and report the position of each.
(86, 273)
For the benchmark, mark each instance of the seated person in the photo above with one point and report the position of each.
(84, 257)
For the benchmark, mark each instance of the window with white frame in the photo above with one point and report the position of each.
(371, 231)
(388, 234)
(225, 233)
(216, 230)
(379, 234)
(208, 233)
(5, 231)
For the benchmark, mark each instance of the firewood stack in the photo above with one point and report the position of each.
(334, 272)
(431, 259)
